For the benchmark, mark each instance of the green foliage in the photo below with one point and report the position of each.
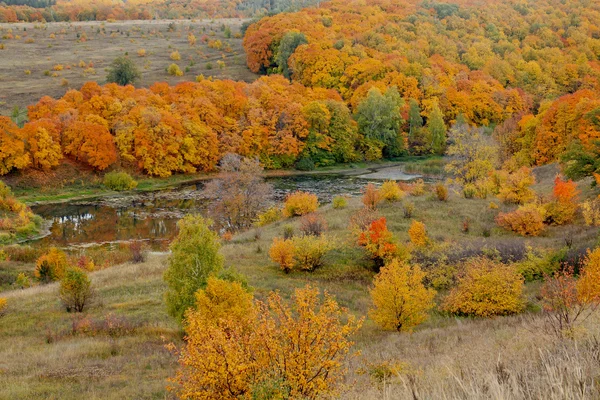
(538, 264)
(437, 130)
(119, 181)
(378, 117)
(194, 257)
(309, 251)
(123, 71)
(75, 290)
(579, 162)
(288, 44)
(339, 202)
(305, 164)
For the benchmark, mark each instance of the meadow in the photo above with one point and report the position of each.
(117, 348)
(47, 59)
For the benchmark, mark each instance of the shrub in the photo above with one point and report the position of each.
(400, 299)
(222, 299)
(300, 203)
(371, 197)
(137, 251)
(313, 224)
(591, 212)
(408, 209)
(305, 164)
(75, 290)
(537, 263)
(562, 209)
(288, 231)
(282, 253)
(441, 192)
(418, 188)
(418, 234)
(379, 242)
(22, 281)
(271, 215)
(339, 202)
(119, 181)
(123, 71)
(3, 303)
(362, 218)
(469, 191)
(175, 56)
(514, 188)
(140, 53)
(174, 70)
(390, 191)
(309, 251)
(487, 288)
(51, 266)
(276, 350)
(194, 257)
(527, 220)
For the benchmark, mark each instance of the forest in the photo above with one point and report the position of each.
(399, 201)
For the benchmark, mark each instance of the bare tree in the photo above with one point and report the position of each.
(240, 194)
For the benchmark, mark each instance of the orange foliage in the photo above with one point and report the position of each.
(527, 220)
(379, 242)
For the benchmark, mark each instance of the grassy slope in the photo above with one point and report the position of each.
(448, 356)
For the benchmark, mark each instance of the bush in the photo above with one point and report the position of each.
(562, 209)
(309, 251)
(441, 192)
(313, 224)
(379, 242)
(300, 203)
(339, 202)
(487, 288)
(371, 197)
(119, 181)
(51, 266)
(175, 56)
(537, 263)
(123, 71)
(591, 212)
(527, 220)
(408, 208)
(305, 164)
(194, 257)
(400, 299)
(75, 290)
(418, 188)
(362, 218)
(22, 281)
(288, 231)
(137, 251)
(390, 191)
(174, 70)
(3, 303)
(418, 234)
(271, 215)
(282, 253)
(469, 191)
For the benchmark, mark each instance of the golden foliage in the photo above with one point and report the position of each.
(418, 234)
(3, 303)
(390, 191)
(527, 220)
(297, 350)
(51, 266)
(487, 288)
(371, 197)
(300, 203)
(400, 299)
(282, 253)
(221, 300)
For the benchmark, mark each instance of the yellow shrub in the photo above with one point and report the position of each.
(174, 70)
(175, 56)
(2, 306)
(527, 220)
(390, 191)
(58, 67)
(141, 53)
(309, 251)
(273, 214)
(282, 252)
(300, 203)
(487, 288)
(223, 299)
(339, 202)
(418, 234)
(51, 266)
(400, 299)
(591, 212)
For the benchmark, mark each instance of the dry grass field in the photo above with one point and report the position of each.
(47, 59)
(116, 349)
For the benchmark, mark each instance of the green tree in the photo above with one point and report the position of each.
(123, 71)
(378, 117)
(194, 258)
(288, 44)
(437, 130)
(415, 121)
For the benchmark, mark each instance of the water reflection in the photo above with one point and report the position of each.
(153, 216)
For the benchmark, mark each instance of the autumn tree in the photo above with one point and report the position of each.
(379, 242)
(194, 258)
(12, 149)
(561, 210)
(240, 193)
(437, 130)
(123, 71)
(400, 299)
(75, 290)
(515, 187)
(51, 266)
(295, 351)
(288, 44)
(378, 117)
(472, 154)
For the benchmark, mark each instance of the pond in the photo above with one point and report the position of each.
(152, 216)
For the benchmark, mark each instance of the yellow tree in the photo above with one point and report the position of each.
(400, 299)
